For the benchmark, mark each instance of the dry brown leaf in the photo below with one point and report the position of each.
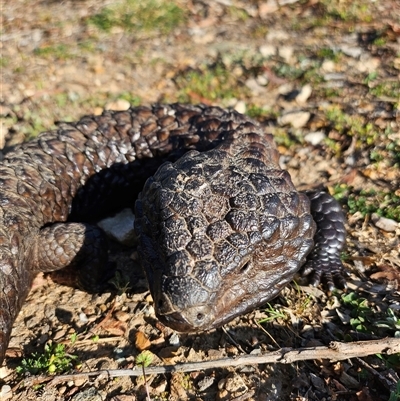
(141, 341)
(386, 272)
(115, 327)
(364, 395)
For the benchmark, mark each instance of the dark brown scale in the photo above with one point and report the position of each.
(221, 231)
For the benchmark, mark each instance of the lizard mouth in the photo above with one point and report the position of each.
(194, 319)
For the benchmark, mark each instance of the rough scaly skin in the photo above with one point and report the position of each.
(214, 245)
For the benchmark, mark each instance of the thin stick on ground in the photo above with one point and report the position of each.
(336, 351)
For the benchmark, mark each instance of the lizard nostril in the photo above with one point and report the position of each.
(200, 317)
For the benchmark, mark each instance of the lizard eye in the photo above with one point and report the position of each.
(245, 267)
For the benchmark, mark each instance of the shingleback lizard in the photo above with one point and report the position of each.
(221, 228)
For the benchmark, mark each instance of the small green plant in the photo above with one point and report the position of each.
(259, 113)
(352, 125)
(389, 89)
(134, 15)
(385, 204)
(363, 318)
(273, 314)
(144, 359)
(54, 359)
(328, 53)
(395, 395)
(60, 52)
(74, 338)
(95, 338)
(372, 76)
(347, 10)
(360, 311)
(131, 98)
(390, 322)
(380, 41)
(4, 61)
(287, 71)
(208, 82)
(120, 282)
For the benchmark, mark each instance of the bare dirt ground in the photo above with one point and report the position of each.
(323, 77)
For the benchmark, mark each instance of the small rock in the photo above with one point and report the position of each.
(296, 119)
(120, 227)
(247, 369)
(59, 334)
(304, 94)
(235, 384)
(285, 88)
(368, 64)
(118, 105)
(159, 389)
(205, 383)
(174, 339)
(328, 66)
(255, 351)
(275, 34)
(240, 107)
(90, 394)
(268, 7)
(80, 381)
(126, 397)
(317, 382)
(83, 318)
(352, 51)
(267, 50)
(286, 52)
(5, 392)
(62, 390)
(262, 80)
(2, 135)
(315, 138)
(97, 111)
(384, 223)
(334, 76)
(255, 87)
(122, 316)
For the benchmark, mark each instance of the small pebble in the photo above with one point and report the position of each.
(262, 80)
(304, 94)
(286, 52)
(334, 76)
(90, 394)
(5, 392)
(296, 119)
(174, 339)
(384, 223)
(315, 138)
(267, 50)
(120, 227)
(240, 107)
(118, 105)
(328, 66)
(254, 86)
(122, 316)
(205, 383)
(83, 318)
(352, 51)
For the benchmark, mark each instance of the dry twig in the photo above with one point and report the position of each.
(334, 352)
